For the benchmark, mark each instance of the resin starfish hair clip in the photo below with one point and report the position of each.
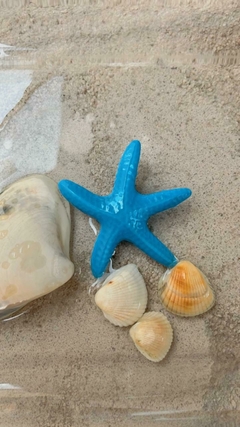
(124, 213)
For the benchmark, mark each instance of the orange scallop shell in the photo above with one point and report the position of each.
(185, 291)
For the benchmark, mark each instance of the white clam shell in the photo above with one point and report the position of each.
(152, 335)
(123, 296)
(34, 242)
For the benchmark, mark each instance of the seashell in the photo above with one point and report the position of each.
(34, 242)
(185, 291)
(152, 335)
(123, 296)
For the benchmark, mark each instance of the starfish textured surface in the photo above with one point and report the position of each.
(124, 213)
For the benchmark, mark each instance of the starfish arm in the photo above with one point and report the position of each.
(109, 237)
(81, 198)
(153, 247)
(127, 170)
(162, 200)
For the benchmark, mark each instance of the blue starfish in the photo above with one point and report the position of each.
(124, 213)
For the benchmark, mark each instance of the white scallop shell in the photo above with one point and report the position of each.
(152, 335)
(34, 242)
(123, 296)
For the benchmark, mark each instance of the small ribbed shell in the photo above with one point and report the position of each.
(123, 296)
(185, 291)
(152, 335)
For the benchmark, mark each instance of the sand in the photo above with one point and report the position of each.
(166, 73)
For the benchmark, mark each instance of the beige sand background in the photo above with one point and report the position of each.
(166, 73)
